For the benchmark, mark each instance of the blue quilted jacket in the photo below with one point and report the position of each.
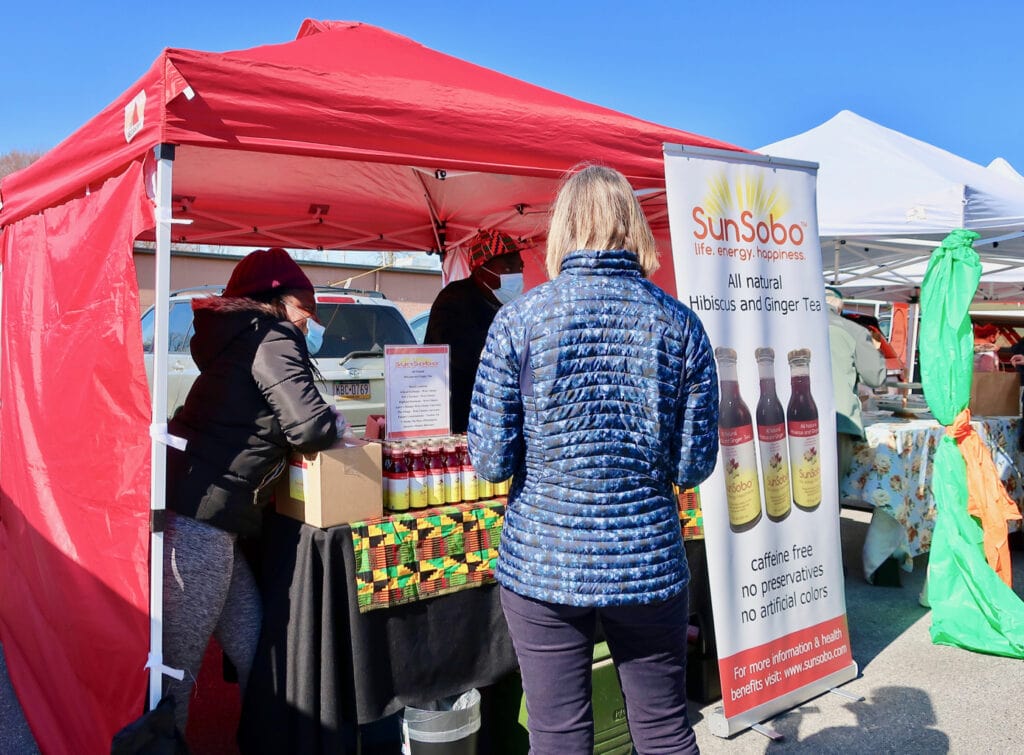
(596, 391)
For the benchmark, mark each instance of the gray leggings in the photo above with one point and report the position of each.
(208, 590)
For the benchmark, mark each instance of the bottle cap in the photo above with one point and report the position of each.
(724, 352)
(799, 355)
(764, 353)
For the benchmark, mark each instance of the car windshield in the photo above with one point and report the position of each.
(354, 327)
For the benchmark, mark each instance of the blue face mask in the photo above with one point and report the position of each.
(510, 287)
(314, 335)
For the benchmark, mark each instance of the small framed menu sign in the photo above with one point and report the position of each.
(416, 389)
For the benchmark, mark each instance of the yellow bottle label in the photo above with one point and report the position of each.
(742, 491)
(435, 489)
(418, 496)
(469, 485)
(453, 487)
(398, 498)
(805, 459)
(774, 469)
(485, 488)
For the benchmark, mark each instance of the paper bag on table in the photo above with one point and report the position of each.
(995, 394)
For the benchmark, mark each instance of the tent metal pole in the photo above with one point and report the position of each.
(158, 430)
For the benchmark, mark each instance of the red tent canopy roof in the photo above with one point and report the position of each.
(391, 126)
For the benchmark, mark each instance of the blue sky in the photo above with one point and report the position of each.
(749, 73)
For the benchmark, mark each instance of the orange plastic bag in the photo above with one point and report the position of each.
(987, 499)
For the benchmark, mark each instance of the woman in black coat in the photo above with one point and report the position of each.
(253, 403)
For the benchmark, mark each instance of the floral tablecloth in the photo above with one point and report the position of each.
(892, 471)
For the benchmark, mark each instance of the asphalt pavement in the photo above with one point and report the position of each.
(919, 698)
(15, 736)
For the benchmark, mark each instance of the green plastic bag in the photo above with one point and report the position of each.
(972, 607)
(947, 338)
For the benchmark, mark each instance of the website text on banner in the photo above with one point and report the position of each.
(747, 261)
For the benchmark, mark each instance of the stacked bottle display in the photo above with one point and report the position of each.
(787, 441)
(419, 474)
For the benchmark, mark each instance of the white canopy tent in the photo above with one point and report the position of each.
(1003, 168)
(885, 200)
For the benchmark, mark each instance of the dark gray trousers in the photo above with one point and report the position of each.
(554, 645)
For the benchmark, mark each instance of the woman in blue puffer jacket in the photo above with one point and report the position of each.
(597, 391)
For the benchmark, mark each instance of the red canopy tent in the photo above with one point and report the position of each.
(348, 137)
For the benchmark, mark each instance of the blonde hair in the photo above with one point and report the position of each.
(597, 209)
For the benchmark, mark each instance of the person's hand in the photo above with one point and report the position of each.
(346, 438)
(1017, 360)
(340, 423)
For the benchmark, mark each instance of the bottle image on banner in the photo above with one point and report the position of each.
(736, 437)
(771, 440)
(804, 444)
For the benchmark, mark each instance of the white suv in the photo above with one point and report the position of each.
(351, 361)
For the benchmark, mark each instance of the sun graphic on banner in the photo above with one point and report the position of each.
(746, 193)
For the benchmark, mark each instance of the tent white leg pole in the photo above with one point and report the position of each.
(158, 430)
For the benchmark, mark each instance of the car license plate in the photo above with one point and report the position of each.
(358, 390)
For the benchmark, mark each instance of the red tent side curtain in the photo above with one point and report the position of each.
(74, 467)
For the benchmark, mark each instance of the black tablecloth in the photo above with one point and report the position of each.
(322, 667)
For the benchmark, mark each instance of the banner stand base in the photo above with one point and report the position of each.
(847, 695)
(768, 731)
(724, 727)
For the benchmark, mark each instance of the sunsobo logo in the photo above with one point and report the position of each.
(744, 229)
(747, 218)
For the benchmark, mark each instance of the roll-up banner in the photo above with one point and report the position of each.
(747, 261)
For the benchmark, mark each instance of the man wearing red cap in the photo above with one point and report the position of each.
(464, 310)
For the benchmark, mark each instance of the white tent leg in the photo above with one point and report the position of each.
(158, 430)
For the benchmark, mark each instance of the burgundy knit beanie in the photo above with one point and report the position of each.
(265, 270)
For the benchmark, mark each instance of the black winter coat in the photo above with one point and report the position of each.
(254, 401)
(460, 317)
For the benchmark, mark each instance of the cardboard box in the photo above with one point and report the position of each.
(995, 394)
(338, 486)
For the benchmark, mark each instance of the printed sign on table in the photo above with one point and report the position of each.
(747, 261)
(416, 387)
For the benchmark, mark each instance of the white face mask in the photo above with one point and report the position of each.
(509, 287)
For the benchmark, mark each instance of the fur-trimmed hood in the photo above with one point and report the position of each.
(219, 320)
(231, 304)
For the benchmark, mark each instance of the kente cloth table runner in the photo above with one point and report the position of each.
(690, 515)
(417, 555)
